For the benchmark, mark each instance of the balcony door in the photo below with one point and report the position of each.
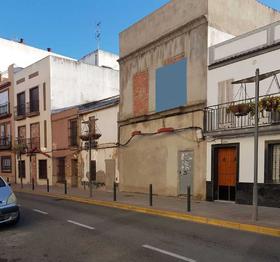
(5, 133)
(21, 104)
(35, 136)
(34, 100)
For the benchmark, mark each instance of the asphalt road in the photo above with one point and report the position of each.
(59, 230)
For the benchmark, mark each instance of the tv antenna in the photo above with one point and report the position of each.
(98, 34)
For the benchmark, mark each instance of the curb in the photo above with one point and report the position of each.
(270, 231)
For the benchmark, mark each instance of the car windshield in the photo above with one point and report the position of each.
(2, 183)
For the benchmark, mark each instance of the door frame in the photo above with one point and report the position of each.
(214, 165)
(178, 168)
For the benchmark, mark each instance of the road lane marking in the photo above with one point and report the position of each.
(40, 211)
(79, 224)
(168, 253)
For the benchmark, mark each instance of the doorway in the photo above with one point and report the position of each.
(74, 167)
(225, 172)
(185, 171)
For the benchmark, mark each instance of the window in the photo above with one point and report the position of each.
(273, 159)
(21, 168)
(225, 91)
(4, 103)
(6, 164)
(34, 99)
(5, 135)
(21, 104)
(35, 136)
(60, 170)
(73, 130)
(43, 170)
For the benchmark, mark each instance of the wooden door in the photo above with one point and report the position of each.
(74, 165)
(227, 173)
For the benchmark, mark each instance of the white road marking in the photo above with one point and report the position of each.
(168, 253)
(79, 224)
(40, 211)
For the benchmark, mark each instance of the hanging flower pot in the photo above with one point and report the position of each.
(243, 109)
(84, 137)
(239, 109)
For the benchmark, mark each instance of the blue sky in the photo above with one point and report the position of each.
(68, 26)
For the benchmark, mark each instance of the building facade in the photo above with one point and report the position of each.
(7, 154)
(49, 84)
(72, 160)
(163, 81)
(230, 118)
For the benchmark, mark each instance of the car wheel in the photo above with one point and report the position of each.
(15, 221)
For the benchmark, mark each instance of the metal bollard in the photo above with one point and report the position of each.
(8, 180)
(115, 191)
(189, 199)
(21, 183)
(65, 187)
(84, 185)
(90, 188)
(33, 186)
(151, 194)
(48, 185)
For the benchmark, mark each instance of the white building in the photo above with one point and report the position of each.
(229, 118)
(104, 155)
(49, 84)
(21, 54)
(101, 58)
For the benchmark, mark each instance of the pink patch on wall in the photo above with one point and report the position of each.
(141, 93)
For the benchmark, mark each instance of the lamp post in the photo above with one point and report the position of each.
(256, 80)
(256, 146)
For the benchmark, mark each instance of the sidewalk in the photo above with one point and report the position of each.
(268, 217)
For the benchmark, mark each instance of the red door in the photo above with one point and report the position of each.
(227, 173)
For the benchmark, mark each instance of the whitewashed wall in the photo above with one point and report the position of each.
(22, 55)
(107, 125)
(75, 83)
(101, 58)
(246, 157)
(246, 68)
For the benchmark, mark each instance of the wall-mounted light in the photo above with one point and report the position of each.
(199, 134)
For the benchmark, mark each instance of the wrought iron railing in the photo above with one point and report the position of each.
(32, 107)
(5, 142)
(20, 111)
(4, 109)
(240, 114)
(28, 145)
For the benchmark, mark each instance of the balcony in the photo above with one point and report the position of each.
(20, 111)
(240, 114)
(4, 110)
(5, 143)
(27, 145)
(32, 108)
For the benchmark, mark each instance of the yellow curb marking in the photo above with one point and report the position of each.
(170, 214)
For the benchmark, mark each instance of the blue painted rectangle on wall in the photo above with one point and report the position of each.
(171, 86)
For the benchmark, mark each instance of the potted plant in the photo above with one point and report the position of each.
(242, 109)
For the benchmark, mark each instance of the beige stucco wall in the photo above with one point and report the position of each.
(44, 77)
(191, 42)
(154, 159)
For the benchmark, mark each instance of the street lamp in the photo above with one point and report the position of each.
(256, 79)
